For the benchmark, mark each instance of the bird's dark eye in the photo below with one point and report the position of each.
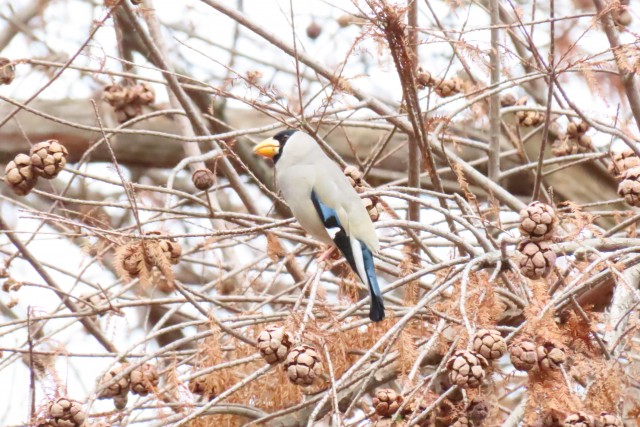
(283, 136)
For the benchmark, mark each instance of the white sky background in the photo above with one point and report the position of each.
(67, 26)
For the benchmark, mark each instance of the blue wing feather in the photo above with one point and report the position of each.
(331, 222)
(328, 215)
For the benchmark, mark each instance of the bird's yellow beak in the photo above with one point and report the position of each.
(267, 148)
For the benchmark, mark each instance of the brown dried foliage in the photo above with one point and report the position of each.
(138, 260)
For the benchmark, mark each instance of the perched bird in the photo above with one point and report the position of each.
(325, 204)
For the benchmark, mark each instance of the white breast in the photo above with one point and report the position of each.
(296, 183)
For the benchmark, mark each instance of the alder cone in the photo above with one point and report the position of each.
(550, 357)
(462, 421)
(65, 412)
(585, 144)
(478, 410)
(623, 19)
(200, 385)
(120, 401)
(132, 259)
(143, 94)
(530, 118)
(144, 379)
(445, 414)
(371, 203)
(386, 402)
(565, 146)
(508, 100)
(466, 368)
(353, 173)
(523, 355)
(127, 100)
(609, 420)
(197, 385)
(489, 343)
(314, 30)
(20, 176)
(202, 179)
(116, 95)
(538, 222)
(449, 87)
(622, 162)
(536, 259)
(373, 207)
(7, 71)
(424, 79)
(171, 250)
(579, 419)
(629, 187)
(576, 130)
(552, 419)
(345, 20)
(303, 365)
(48, 158)
(374, 212)
(274, 344)
(117, 388)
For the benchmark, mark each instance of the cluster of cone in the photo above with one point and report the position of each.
(387, 403)
(7, 71)
(117, 383)
(371, 203)
(573, 141)
(526, 118)
(141, 259)
(625, 166)
(45, 159)
(538, 224)
(302, 362)
(128, 100)
(442, 87)
(583, 419)
(64, 412)
(466, 368)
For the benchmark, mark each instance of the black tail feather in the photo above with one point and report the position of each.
(342, 241)
(376, 312)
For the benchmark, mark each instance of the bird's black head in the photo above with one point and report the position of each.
(282, 137)
(274, 146)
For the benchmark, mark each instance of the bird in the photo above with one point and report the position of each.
(325, 204)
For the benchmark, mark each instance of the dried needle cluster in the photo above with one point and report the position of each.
(139, 259)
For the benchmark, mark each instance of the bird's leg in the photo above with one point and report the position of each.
(327, 255)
